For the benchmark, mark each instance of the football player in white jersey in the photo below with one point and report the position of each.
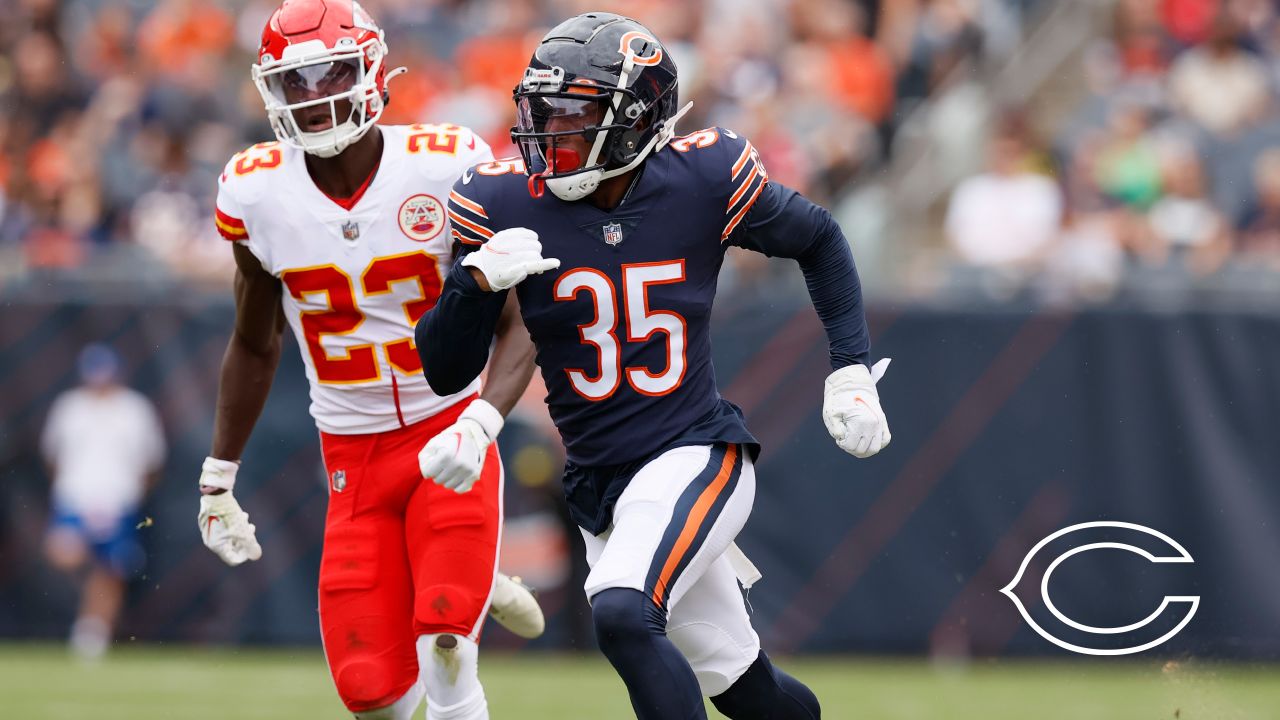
(340, 231)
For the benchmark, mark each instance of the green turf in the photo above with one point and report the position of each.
(164, 683)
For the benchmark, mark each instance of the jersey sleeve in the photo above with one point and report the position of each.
(229, 214)
(468, 216)
(742, 178)
(777, 221)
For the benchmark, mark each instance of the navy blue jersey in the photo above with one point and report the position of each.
(622, 327)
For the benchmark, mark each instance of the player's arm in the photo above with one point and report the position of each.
(248, 367)
(511, 365)
(454, 337)
(253, 353)
(455, 457)
(782, 222)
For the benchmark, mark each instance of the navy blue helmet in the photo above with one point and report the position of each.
(603, 77)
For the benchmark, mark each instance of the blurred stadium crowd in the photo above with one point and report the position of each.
(118, 115)
(1164, 176)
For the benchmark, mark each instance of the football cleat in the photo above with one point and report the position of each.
(515, 607)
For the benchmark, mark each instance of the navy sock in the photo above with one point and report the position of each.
(632, 633)
(766, 693)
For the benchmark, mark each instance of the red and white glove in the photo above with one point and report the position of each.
(455, 457)
(224, 527)
(851, 409)
(509, 257)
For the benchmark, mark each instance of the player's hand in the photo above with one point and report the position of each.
(455, 457)
(851, 409)
(508, 258)
(224, 527)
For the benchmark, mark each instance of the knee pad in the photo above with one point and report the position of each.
(401, 709)
(717, 658)
(623, 616)
(364, 685)
(448, 671)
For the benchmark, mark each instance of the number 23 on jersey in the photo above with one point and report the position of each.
(342, 316)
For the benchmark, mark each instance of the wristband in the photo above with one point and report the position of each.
(486, 416)
(219, 473)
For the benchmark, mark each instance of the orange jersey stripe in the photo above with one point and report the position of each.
(742, 160)
(694, 521)
(742, 189)
(457, 236)
(728, 230)
(468, 204)
(477, 229)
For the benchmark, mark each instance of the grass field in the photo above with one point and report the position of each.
(163, 683)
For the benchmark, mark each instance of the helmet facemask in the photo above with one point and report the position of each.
(312, 75)
(619, 130)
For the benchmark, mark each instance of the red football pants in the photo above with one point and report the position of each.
(403, 557)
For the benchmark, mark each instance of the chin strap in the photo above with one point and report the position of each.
(656, 143)
(669, 127)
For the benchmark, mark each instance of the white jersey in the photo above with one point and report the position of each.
(356, 281)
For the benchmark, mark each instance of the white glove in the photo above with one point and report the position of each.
(224, 527)
(851, 409)
(455, 457)
(509, 257)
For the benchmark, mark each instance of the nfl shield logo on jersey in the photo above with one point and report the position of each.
(339, 480)
(350, 231)
(612, 234)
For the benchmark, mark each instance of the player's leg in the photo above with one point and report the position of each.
(678, 514)
(366, 588)
(401, 709)
(453, 543)
(711, 627)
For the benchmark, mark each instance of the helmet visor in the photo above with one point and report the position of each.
(556, 114)
(313, 82)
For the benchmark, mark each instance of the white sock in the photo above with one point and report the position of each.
(451, 678)
(401, 709)
(90, 638)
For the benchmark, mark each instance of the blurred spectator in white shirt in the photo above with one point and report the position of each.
(1008, 217)
(1219, 85)
(104, 447)
(1187, 228)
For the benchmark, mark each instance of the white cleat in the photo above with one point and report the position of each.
(515, 607)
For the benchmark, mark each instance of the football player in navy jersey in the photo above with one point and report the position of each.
(615, 271)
